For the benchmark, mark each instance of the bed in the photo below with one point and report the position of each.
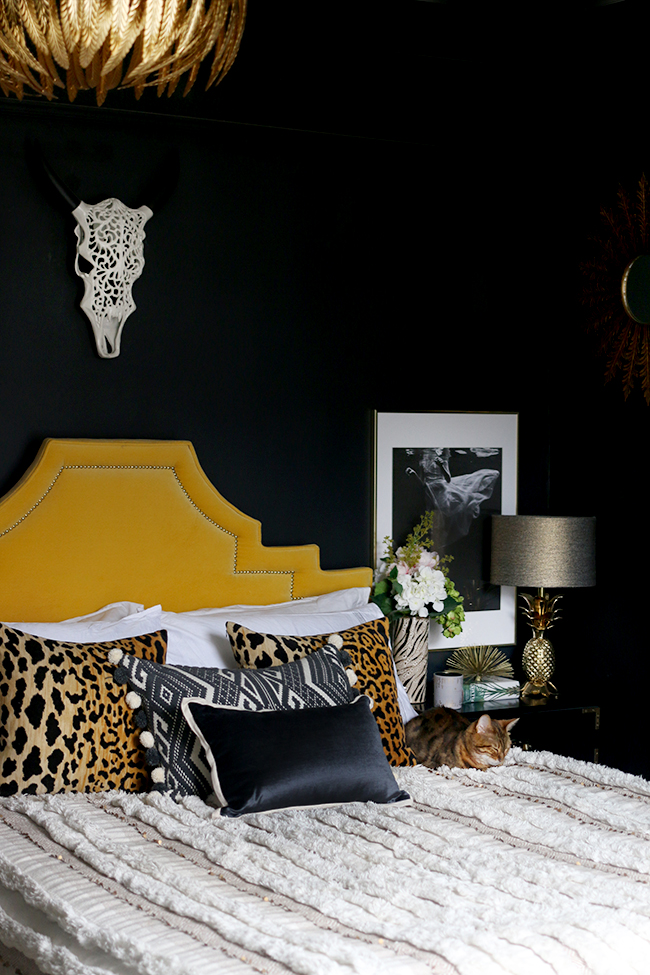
(122, 569)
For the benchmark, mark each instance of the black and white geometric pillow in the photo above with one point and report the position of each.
(180, 768)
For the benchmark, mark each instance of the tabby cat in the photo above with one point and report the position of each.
(445, 737)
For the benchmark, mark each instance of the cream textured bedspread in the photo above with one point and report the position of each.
(541, 866)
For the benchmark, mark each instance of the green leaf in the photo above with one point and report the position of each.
(385, 604)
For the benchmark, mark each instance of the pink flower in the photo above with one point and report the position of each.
(402, 568)
(430, 560)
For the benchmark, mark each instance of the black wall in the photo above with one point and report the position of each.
(388, 217)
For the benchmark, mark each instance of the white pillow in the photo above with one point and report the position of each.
(97, 630)
(330, 602)
(406, 709)
(199, 638)
(113, 612)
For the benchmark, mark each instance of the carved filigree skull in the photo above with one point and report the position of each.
(110, 240)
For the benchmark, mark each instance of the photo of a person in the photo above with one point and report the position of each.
(462, 487)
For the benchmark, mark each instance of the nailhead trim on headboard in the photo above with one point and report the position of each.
(155, 467)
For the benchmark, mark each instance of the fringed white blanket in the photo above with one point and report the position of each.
(541, 866)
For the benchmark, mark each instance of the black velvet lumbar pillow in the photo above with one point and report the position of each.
(266, 760)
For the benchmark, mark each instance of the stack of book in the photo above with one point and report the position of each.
(502, 689)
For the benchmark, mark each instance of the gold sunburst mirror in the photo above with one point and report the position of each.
(616, 289)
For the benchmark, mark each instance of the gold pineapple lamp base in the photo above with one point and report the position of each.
(538, 660)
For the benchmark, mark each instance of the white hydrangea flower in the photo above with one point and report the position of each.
(422, 590)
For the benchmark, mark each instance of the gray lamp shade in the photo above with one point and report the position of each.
(543, 551)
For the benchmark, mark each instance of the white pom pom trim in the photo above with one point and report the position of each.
(115, 655)
(352, 677)
(146, 739)
(133, 700)
(158, 775)
(336, 640)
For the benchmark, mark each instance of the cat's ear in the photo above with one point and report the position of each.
(484, 724)
(509, 723)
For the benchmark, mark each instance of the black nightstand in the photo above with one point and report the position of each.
(562, 725)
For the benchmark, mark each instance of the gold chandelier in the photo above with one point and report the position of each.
(88, 41)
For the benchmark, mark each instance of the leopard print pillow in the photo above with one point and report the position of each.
(64, 723)
(369, 648)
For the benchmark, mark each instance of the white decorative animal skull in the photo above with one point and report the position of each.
(110, 237)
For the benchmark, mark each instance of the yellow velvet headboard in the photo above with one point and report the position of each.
(95, 521)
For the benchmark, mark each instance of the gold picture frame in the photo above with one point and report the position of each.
(474, 441)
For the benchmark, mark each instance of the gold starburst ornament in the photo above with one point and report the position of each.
(479, 663)
(88, 41)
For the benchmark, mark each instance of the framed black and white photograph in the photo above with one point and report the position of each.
(461, 467)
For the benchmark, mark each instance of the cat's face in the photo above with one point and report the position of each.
(488, 740)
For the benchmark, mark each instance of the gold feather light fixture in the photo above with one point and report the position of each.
(71, 45)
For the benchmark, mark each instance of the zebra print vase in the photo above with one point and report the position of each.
(410, 642)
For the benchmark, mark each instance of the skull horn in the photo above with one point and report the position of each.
(34, 152)
(69, 197)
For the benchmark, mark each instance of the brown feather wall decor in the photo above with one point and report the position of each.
(87, 41)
